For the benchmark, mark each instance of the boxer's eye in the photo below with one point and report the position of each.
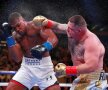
(70, 28)
(18, 25)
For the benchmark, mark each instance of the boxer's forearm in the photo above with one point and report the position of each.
(63, 70)
(53, 39)
(42, 21)
(86, 68)
(16, 53)
(57, 27)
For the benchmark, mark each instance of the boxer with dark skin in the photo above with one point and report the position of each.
(30, 45)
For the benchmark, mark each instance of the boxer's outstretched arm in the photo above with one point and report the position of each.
(44, 22)
(92, 56)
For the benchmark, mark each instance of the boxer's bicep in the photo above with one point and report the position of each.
(91, 58)
(49, 36)
(91, 55)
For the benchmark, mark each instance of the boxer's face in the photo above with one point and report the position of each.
(19, 26)
(73, 31)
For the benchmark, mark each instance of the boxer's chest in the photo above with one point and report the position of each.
(76, 49)
(27, 42)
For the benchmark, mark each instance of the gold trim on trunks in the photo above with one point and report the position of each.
(85, 80)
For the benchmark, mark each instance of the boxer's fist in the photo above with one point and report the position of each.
(6, 28)
(40, 21)
(60, 70)
(38, 51)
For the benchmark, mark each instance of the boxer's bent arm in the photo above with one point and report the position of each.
(91, 58)
(50, 41)
(49, 36)
(16, 52)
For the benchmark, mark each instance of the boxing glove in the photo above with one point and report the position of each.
(60, 70)
(6, 28)
(42, 21)
(63, 70)
(38, 50)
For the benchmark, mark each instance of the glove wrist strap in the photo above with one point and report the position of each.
(48, 45)
(49, 24)
(71, 70)
(10, 41)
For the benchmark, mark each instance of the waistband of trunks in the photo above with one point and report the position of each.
(35, 61)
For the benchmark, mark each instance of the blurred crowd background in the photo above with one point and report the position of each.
(95, 13)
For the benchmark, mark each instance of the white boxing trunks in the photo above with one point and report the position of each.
(34, 71)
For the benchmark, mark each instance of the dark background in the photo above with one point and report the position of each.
(94, 11)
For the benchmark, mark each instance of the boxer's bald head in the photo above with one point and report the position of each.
(78, 20)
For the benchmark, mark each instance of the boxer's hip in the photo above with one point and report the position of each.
(92, 81)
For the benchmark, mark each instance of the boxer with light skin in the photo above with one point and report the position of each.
(30, 45)
(84, 46)
(87, 51)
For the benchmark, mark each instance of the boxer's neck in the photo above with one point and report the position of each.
(84, 37)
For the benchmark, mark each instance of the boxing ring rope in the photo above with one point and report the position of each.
(61, 84)
(14, 72)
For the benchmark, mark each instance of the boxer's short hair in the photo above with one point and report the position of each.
(78, 20)
(14, 16)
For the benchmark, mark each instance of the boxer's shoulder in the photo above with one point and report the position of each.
(16, 35)
(32, 26)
